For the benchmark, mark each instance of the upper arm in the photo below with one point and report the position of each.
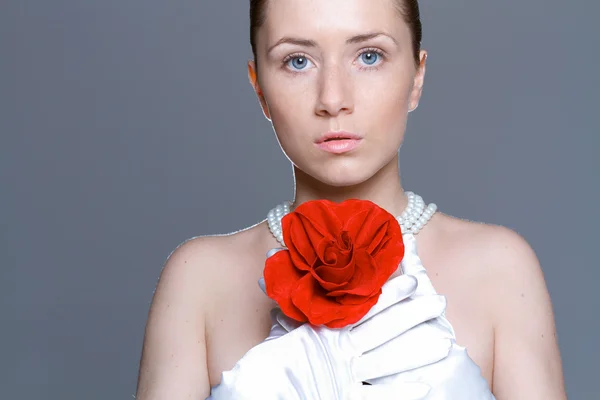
(527, 363)
(173, 363)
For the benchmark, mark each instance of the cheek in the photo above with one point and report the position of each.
(291, 108)
(290, 121)
(387, 92)
(383, 105)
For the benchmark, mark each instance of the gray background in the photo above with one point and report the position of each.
(129, 126)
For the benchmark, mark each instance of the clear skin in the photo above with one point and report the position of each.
(208, 310)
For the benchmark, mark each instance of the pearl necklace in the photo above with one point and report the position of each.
(412, 220)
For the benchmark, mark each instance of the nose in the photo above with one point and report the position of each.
(335, 92)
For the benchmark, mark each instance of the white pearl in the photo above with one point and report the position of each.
(411, 220)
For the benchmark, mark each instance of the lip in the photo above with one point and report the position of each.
(338, 135)
(338, 142)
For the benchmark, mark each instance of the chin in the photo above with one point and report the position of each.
(346, 176)
(340, 183)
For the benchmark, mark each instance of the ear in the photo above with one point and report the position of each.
(417, 89)
(253, 78)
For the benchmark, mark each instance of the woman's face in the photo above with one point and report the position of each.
(331, 66)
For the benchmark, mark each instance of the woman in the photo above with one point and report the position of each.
(337, 80)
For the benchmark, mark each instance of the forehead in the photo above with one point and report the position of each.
(315, 19)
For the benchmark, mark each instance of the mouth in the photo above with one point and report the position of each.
(338, 142)
(337, 136)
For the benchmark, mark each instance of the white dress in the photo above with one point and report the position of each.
(456, 377)
(441, 376)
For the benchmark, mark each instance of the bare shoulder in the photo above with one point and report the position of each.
(201, 262)
(174, 354)
(511, 289)
(201, 254)
(503, 259)
(497, 248)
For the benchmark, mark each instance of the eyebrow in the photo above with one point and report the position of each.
(311, 43)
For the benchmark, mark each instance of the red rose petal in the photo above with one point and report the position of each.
(353, 313)
(330, 254)
(389, 257)
(363, 222)
(350, 299)
(281, 279)
(350, 249)
(393, 238)
(359, 226)
(316, 215)
(340, 267)
(380, 236)
(327, 250)
(298, 241)
(322, 215)
(309, 298)
(364, 281)
(330, 278)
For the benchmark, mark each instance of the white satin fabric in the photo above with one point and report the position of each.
(456, 376)
(303, 361)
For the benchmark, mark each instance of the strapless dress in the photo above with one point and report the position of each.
(441, 376)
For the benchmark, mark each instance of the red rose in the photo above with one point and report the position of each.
(338, 257)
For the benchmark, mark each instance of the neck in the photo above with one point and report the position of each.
(384, 189)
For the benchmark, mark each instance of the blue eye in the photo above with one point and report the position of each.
(369, 57)
(299, 62)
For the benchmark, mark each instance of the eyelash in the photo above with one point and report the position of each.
(379, 52)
